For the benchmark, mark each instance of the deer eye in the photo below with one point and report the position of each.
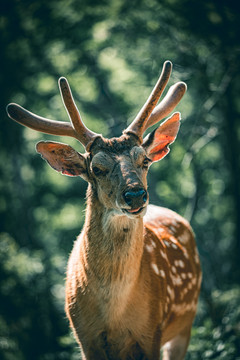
(97, 171)
(146, 163)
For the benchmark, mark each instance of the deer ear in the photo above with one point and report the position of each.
(63, 158)
(157, 142)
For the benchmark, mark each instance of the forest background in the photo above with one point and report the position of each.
(112, 53)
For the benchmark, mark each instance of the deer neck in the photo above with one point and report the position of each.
(113, 241)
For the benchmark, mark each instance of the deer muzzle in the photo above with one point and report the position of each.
(136, 198)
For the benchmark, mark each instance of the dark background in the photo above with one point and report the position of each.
(112, 53)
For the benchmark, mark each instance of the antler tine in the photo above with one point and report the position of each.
(138, 125)
(74, 129)
(35, 122)
(84, 135)
(170, 101)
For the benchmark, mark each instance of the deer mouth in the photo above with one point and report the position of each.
(133, 211)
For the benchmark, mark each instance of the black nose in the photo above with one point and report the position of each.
(136, 197)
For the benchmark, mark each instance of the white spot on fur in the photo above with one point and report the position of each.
(172, 228)
(179, 263)
(166, 243)
(155, 268)
(163, 254)
(153, 244)
(190, 286)
(149, 248)
(170, 292)
(177, 281)
(184, 238)
(173, 239)
(174, 270)
(185, 290)
(194, 281)
(162, 273)
(196, 258)
(174, 246)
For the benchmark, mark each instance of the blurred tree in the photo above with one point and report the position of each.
(111, 52)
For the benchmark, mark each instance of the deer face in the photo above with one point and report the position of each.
(118, 169)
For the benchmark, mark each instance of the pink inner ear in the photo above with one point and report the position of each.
(164, 136)
(159, 153)
(62, 158)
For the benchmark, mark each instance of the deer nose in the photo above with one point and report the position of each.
(135, 197)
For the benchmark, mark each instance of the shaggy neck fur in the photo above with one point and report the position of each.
(114, 244)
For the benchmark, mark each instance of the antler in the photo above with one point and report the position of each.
(75, 129)
(149, 114)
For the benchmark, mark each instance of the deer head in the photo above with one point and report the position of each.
(116, 168)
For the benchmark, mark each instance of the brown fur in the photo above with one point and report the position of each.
(132, 283)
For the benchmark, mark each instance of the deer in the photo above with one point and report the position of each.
(134, 275)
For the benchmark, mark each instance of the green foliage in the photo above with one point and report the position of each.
(218, 336)
(111, 52)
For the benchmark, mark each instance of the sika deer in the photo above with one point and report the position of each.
(133, 280)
